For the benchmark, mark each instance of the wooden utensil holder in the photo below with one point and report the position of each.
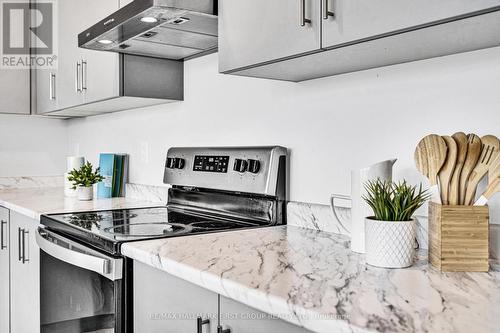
(459, 238)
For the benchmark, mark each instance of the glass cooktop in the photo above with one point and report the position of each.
(108, 229)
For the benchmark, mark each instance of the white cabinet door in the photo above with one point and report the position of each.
(166, 304)
(243, 319)
(257, 31)
(4, 271)
(15, 91)
(24, 275)
(359, 19)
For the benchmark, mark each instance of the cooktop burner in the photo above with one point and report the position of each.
(149, 229)
(107, 230)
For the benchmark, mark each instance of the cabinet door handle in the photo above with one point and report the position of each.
(78, 81)
(303, 19)
(199, 324)
(25, 232)
(326, 12)
(52, 86)
(2, 245)
(19, 244)
(220, 330)
(84, 74)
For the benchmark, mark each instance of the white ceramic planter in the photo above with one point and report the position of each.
(390, 244)
(85, 193)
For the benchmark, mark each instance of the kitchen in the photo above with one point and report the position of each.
(330, 125)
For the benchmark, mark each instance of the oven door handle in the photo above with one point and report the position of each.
(78, 255)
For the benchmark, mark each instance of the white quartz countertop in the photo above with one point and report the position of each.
(312, 279)
(34, 202)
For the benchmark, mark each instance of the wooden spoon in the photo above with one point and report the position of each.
(473, 152)
(430, 155)
(489, 154)
(448, 167)
(454, 195)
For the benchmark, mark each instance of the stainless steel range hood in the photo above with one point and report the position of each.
(172, 29)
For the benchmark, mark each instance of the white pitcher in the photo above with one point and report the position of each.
(359, 208)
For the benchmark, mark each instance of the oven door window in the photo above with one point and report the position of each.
(75, 298)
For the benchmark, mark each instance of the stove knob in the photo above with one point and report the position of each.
(179, 163)
(253, 166)
(240, 165)
(170, 163)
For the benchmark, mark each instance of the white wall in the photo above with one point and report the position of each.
(32, 146)
(331, 125)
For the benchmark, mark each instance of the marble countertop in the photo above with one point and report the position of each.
(312, 279)
(34, 202)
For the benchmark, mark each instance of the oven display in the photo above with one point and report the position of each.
(211, 163)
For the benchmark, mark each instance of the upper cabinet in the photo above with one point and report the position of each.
(257, 31)
(81, 75)
(15, 91)
(305, 39)
(88, 82)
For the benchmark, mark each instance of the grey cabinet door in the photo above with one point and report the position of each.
(243, 319)
(15, 91)
(24, 275)
(257, 31)
(82, 76)
(360, 19)
(4, 271)
(166, 304)
(46, 92)
(100, 70)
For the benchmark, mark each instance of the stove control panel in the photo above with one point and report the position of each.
(239, 169)
(211, 163)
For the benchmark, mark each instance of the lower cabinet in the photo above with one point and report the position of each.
(166, 304)
(4, 271)
(240, 318)
(24, 275)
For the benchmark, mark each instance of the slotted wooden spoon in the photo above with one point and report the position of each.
(473, 152)
(430, 155)
(489, 154)
(461, 140)
(447, 170)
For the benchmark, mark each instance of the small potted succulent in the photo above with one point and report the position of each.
(390, 233)
(83, 180)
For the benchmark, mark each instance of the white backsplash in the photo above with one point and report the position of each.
(7, 183)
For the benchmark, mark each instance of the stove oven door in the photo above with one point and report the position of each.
(80, 288)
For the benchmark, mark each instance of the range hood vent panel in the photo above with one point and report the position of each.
(182, 29)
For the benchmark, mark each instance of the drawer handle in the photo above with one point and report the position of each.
(326, 12)
(2, 245)
(199, 324)
(78, 81)
(24, 233)
(303, 19)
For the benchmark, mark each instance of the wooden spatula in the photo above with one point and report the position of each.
(430, 155)
(461, 140)
(447, 170)
(493, 188)
(473, 152)
(489, 154)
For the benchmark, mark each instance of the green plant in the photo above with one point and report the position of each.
(394, 201)
(85, 176)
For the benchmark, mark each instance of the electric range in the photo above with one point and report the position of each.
(86, 284)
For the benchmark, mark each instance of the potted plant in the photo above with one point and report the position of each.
(83, 180)
(390, 233)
